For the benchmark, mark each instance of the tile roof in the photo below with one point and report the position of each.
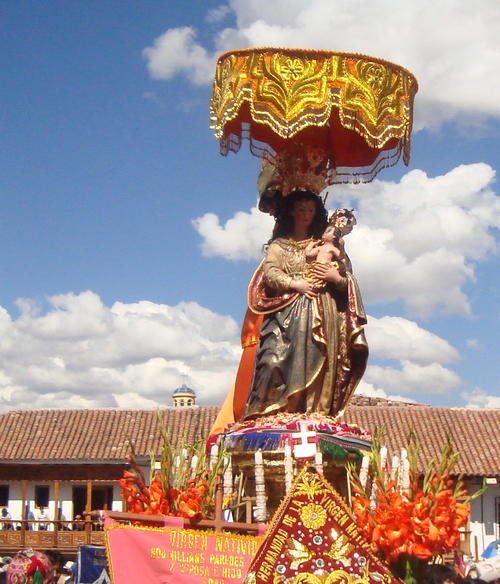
(101, 435)
(65, 435)
(475, 433)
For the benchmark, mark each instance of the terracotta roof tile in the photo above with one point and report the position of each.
(475, 433)
(101, 435)
(96, 434)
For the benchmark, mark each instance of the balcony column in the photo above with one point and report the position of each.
(88, 508)
(56, 512)
(56, 500)
(88, 504)
(24, 525)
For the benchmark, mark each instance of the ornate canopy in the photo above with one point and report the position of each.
(356, 108)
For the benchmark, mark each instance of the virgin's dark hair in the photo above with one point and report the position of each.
(284, 220)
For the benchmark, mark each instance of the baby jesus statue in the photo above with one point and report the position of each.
(329, 250)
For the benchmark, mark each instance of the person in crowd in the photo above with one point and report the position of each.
(54, 567)
(44, 518)
(78, 524)
(5, 515)
(30, 516)
(4, 565)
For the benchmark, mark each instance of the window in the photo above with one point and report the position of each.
(4, 495)
(41, 496)
(102, 498)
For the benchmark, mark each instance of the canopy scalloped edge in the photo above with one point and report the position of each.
(289, 90)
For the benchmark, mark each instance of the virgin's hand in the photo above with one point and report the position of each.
(311, 292)
(304, 287)
(327, 273)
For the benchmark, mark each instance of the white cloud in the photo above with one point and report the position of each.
(478, 398)
(368, 390)
(218, 14)
(397, 338)
(134, 400)
(241, 237)
(456, 66)
(176, 51)
(417, 241)
(425, 234)
(412, 377)
(24, 398)
(419, 357)
(74, 317)
(81, 353)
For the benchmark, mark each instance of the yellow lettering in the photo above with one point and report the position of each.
(231, 573)
(185, 556)
(265, 570)
(236, 546)
(157, 553)
(188, 540)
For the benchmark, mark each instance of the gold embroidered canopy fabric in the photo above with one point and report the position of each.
(358, 108)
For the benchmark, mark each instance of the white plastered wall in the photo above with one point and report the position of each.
(484, 520)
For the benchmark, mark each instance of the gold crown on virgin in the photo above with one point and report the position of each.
(297, 167)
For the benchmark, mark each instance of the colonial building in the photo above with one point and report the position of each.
(69, 461)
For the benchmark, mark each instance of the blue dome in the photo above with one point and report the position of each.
(184, 389)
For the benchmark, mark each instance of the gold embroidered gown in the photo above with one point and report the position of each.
(312, 353)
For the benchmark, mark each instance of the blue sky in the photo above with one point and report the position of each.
(128, 241)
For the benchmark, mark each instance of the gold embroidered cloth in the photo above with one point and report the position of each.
(313, 539)
(359, 108)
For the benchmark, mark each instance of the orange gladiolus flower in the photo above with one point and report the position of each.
(423, 522)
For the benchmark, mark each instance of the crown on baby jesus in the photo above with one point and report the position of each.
(343, 219)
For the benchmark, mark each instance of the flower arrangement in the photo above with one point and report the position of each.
(181, 483)
(410, 517)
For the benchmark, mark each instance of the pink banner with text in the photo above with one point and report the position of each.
(172, 556)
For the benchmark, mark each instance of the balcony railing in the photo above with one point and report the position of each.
(62, 535)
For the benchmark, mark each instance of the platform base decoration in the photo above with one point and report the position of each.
(268, 453)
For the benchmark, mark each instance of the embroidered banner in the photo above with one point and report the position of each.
(313, 539)
(172, 556)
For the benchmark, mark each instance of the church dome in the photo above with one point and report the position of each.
(184, 396)
(184, 389)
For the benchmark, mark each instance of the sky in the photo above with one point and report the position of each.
(127, 241)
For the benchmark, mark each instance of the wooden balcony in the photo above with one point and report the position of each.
(64, 536)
